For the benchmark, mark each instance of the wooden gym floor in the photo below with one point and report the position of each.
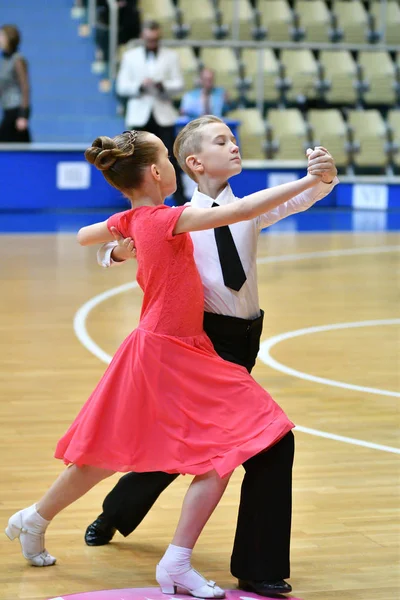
(346, 496)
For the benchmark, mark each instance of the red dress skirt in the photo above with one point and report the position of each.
(167, 401)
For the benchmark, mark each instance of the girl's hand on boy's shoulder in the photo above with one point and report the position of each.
(125, 248)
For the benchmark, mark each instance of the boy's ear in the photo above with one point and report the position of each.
(194, 164)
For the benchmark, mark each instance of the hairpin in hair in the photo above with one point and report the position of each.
(132, 135)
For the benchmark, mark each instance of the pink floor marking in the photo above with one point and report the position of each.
(155, 594)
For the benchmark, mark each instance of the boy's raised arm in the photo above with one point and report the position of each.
(320, 162)
(299, 203)
(196, 219)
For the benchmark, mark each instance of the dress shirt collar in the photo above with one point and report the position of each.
(151, 53)
(203, 201)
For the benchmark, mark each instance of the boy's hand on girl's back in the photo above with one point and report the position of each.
(125, 249)
(321, 163)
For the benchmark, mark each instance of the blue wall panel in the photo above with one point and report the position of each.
(31, 200)
(29, 180)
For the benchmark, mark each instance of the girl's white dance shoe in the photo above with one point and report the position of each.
(190, 582)
(30, 527)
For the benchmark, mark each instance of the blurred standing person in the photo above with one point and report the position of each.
(149, 75)
(128, 25)
(206, 99)
(14, 88)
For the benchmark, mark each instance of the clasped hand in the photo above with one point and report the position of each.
(321, 163)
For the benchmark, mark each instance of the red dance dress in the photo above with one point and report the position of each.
(167, 401)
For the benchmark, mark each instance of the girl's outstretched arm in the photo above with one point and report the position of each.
(97, 233)
(196, 219)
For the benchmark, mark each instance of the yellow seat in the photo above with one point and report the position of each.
(246, 17)
(329, 130)
(270, 66)
(200, 16)
(189, 66)
(277, 17)
(392, 20)
(394, 122)
(225, 64)
(162, 11)
(379, 71)
(353, 19)
(370, 131)
(340, 70)
(315, 19)
(289, 130)
(302, 70)
(251, 132)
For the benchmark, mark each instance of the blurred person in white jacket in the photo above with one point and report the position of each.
(148, 77)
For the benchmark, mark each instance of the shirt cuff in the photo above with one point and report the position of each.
(334, 181)
(104, 255)
(322, 189)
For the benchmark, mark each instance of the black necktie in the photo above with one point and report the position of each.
(231, 265)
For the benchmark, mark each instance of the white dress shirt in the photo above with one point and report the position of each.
(217, 297)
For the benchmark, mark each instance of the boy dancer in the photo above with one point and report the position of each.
(226, 260)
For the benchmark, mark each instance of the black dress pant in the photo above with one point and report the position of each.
(8, 130)
(262, 541)
(167, 136)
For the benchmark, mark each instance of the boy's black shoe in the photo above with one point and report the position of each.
(100, 532)
(265, 588)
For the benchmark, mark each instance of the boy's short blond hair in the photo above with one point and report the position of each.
(189, 140)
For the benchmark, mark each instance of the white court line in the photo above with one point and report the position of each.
(348, 440)
(85, 339)
(83, 312)
(265, 356)
(266, 346)
(327, 254)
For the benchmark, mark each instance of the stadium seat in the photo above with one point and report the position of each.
(277, 17)
(379, 71)
(189, 66)
(370, 131)
(200, 17)
(302, 69)
(290, 130)
(251, 132)
(162, 11)
(246, 17)
(226, 66)
(329, 130)
(250, 59)
(394, 122)
(392, 21)
(353, 19)
(315, 19)
(340, 70)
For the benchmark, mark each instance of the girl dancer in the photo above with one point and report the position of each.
(165, 401)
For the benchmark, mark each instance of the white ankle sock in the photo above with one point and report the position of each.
(176, 559)
(33, 521)
(33, 527)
